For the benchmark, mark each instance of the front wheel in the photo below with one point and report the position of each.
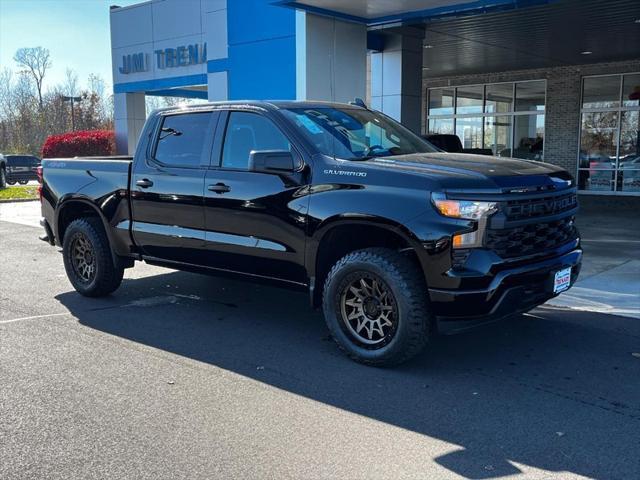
(87, 258)
(3, 177)
(376, 307)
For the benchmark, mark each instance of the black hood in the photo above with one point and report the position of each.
(459, 170)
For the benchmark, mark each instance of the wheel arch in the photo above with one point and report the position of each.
(340, 235)
(74, 207)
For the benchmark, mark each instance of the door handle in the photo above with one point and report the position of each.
(219, 188)
(144, 183)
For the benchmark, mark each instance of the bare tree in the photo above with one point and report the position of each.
(35, 61)
(71, 83)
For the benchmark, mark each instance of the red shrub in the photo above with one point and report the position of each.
(87, 143)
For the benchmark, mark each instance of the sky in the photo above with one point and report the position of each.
(76, 32)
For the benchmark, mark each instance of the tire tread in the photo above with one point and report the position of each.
(405, 274)
(109, 276)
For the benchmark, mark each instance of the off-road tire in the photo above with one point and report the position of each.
(405, 280)
(107, 277)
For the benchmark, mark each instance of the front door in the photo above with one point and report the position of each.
(255, 222)
(167, 188)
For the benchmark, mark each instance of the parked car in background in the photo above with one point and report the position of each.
(3, 171)
(21, 169)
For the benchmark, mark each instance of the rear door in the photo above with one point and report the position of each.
(255, 222)
(167, 187)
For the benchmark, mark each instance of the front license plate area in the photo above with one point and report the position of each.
(562, 280)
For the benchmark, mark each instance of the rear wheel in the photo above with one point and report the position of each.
(375, 305)
(88, 260)
(23, 182)
(3, 177)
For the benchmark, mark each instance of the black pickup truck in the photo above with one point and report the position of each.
(394, 238)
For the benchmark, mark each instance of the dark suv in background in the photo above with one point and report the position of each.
(21, 168)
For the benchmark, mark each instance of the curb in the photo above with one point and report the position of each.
(18, 200)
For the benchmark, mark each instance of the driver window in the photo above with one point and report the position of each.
(247, 132)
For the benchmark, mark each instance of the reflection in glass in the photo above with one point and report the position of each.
(441, 125)
(529, 137)
(469, 130)
(469, 99)
(601, 92)
(530, 95)
(630, 140)
(499, 98)
(596, 180)
(598, 140)
(631, 91)
(629, 180)
(497, 135)
(441, 101)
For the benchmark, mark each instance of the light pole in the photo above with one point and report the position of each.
(65, 98)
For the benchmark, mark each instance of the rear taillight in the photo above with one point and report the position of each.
(39, 172)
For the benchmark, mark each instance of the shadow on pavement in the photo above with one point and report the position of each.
(557, 391)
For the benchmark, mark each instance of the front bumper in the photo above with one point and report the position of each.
(512, 290)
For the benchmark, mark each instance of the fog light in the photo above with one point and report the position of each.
(465, 240)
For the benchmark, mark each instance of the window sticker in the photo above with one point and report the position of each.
(309, 124)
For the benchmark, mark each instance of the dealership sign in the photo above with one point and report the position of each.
(181, 56)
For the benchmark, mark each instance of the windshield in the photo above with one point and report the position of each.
(355, 134)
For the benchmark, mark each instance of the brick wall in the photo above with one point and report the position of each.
(562, 121)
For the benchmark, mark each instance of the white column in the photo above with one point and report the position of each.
(331, 59)
(396, 79)
(129, 117)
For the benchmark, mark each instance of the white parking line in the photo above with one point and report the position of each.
(33, 317)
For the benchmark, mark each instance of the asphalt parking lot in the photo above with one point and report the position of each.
(178, 375)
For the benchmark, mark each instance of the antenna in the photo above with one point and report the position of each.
(358, 102)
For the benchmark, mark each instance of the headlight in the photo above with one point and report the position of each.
(467, 209)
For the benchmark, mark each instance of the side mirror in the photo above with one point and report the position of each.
(271, 161)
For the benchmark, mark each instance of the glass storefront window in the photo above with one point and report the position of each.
(469, 130)
(443, 126)
(601, 92)
(469, 99)
(610, 134)
(631, 91)
(441, 101)
(497, 135)
(629, 153)
(598, 140)
(499, 98)
(530, 95)
(596, 180)
(492, 117)
(528, 137)
(629, 180)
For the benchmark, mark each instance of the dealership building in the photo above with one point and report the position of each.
(550, 80)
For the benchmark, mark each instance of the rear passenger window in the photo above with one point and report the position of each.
(247, 132)
(19, 161)
(182, 139)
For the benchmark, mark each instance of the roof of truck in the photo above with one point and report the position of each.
(265, 104)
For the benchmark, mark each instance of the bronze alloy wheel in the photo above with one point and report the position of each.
(369, 310)
(83, 257)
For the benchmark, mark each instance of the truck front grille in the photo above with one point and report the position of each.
(532, 238)
(539, 207)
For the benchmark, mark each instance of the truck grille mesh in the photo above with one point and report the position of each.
(538, 207)
(531, 239)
